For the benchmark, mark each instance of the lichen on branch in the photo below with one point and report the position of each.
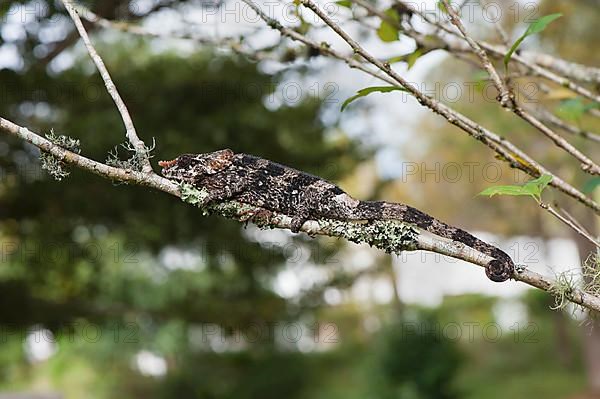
(391, 236)
(51, 164)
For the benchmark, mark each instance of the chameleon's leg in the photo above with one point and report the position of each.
(306, 209)
(298, 221)
(261, 216)
(224, 193)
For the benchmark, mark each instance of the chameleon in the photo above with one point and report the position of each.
(225, 175)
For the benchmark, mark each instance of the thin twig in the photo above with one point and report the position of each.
(505, 97)
(571, 218)
(224, 42)
(323, 48)
(547, 116)
(583, 73)
(131, 133)
(569, 223)
(551, 118)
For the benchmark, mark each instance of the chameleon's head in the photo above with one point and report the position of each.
(189, 168)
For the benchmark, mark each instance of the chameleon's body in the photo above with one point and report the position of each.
(278, 188)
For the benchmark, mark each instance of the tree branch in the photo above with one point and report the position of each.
(141, 149)
(505, 97)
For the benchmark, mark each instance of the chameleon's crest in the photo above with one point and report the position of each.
(191, 167)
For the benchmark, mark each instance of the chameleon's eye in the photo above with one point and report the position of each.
(184, 161)
(219, 161)
(215, 165)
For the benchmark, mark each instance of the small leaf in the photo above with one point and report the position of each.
(535, 27)
(536, 186)
(532, 188)
(398, 58)
(593, 105)
(571, 109)
(368, 90)
(344, 3)
(481, 79)
(410, 59)
(504, 190)
(393, 15)
(512, 50)
(542, 23)
(480, 76)
(387, 33)
(388, 30)
(413, 57)
(442, 7)
(591, 185)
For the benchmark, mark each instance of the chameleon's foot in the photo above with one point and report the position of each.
(520, 268)
(259, 217)
(246, 216)
(296, 224)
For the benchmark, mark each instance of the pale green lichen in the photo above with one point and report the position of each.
(568, 283)
(197, 197)
(54, 166)
(135, 161)
(591, 274)
(194, 196)
(562, 289)
(389, 235)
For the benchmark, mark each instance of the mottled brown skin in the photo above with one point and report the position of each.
(278, 188)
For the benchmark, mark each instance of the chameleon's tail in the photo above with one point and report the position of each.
(499, 269)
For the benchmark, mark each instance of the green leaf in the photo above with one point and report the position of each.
(593, 105)
(574, 108)
(535, 27)
(368, 90)
(571, 109)
(397, 58)
(504, 190)
(532, 188)
(512, 50)
(344, 3)
(393, 14)
(542, 23)
(591, 185)
(536, 186)
(410, 59)
(442, 7)
(413, 57)
(388, 31)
